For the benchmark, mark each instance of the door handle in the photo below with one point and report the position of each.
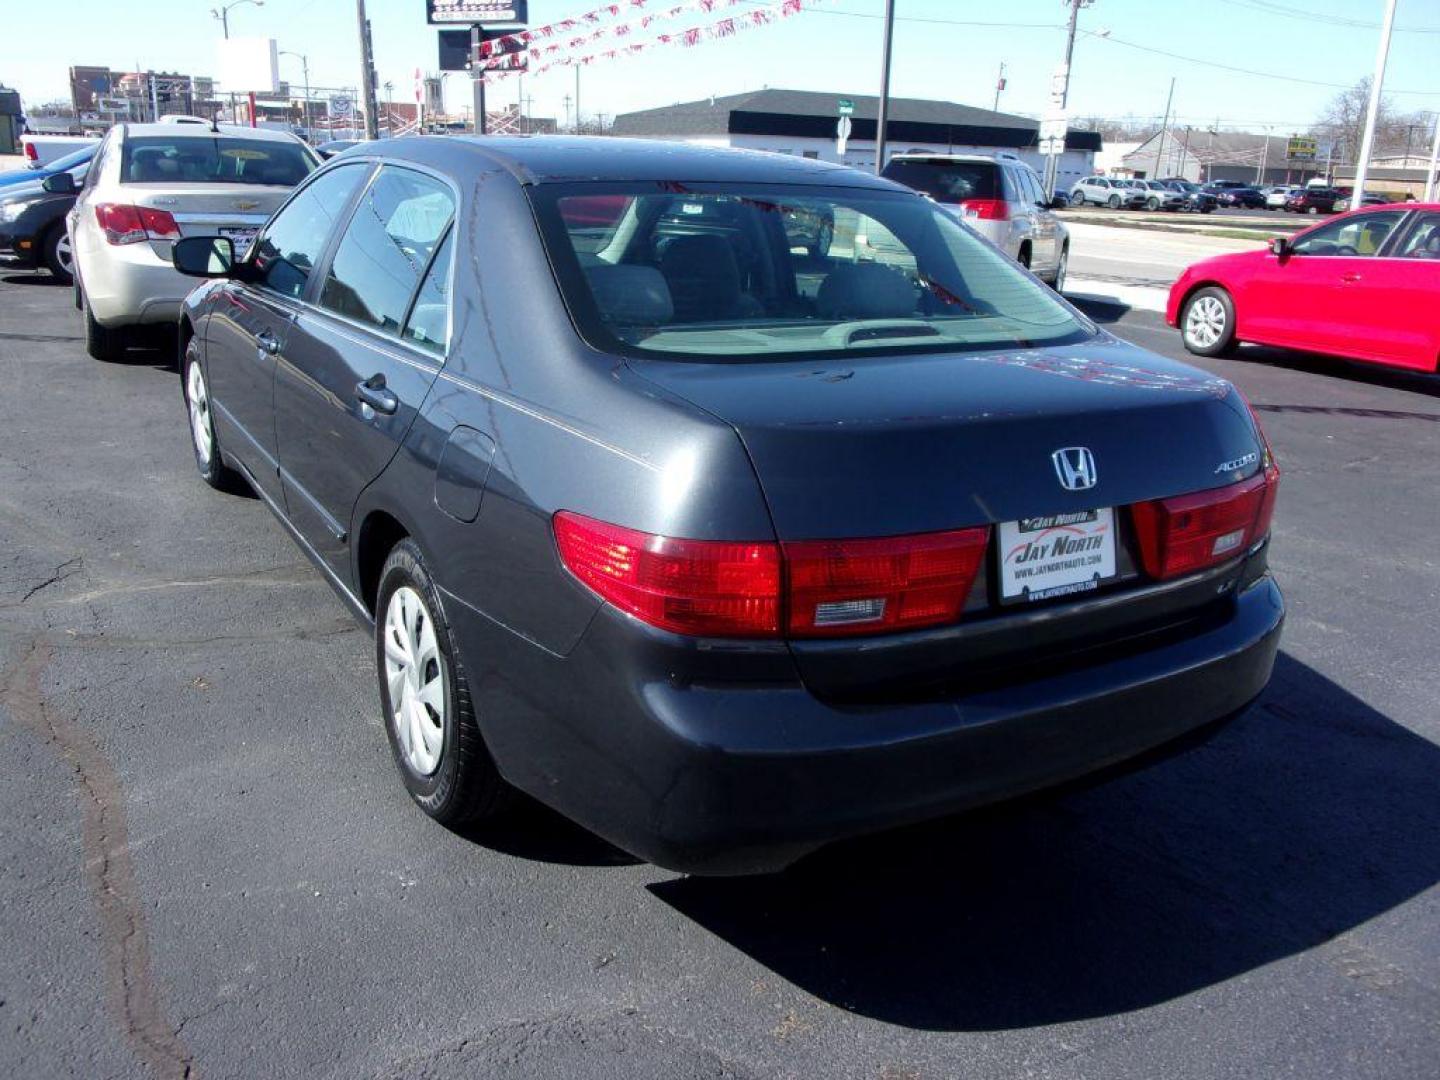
(266, 342)
(1350, 278)
(377, 395)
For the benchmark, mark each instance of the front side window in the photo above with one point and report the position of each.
(291, 244)
(735, 272)
(1362, 235)
(397, 225)
(160, 159)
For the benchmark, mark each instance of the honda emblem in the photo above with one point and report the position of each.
(1075, 467)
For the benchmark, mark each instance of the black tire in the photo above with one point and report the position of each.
(1058, 281)
(464, 786)
(106, 344)
(211, 466)
(1152, 204)
(1078, 199)
(54, 251)
(1023, 256)
(1114, 202)
(1219, 339)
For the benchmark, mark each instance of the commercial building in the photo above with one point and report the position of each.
(1203, 156)
(803, 123)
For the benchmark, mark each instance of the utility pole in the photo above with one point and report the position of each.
(883, 113)
(477, 80)
(1052, 162)
(1264, 158)
(567, 110)
(999, 85)
(1164, 127)
(305, 67)
(577, 99)
(1434, 159)
(1362, 164)
(367, 73)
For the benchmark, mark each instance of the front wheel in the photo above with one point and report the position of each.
(425, 695)
(1078, 199)
(213, 469)
(1207, 323)
(1114, 202)
(57, 254)
(1061, 268)
(1152, 204)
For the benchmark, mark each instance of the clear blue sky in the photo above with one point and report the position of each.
(946, 49)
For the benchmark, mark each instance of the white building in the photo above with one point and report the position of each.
(803, 122)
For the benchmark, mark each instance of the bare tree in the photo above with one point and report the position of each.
(1343, 123)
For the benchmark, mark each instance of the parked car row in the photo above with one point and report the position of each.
(32, 216)
(666, 478)
(1153, 195)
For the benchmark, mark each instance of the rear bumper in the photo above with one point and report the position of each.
(129, 284)
(705, 775)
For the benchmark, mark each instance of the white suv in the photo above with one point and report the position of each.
(1000, 197)
(1102, 191)
(151, 184)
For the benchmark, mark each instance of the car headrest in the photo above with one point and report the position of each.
(632, 295)
(866, 291)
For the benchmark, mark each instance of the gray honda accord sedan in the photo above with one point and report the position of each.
(728, 503)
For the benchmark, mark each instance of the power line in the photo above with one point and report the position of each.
(1287, 12)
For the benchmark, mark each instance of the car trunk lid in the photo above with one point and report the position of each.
(211, 209)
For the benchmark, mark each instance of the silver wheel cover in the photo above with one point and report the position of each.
(415, 677)
(200, 429)
(63, 254)
(1205, 322)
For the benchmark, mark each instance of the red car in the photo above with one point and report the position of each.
(1363, 285)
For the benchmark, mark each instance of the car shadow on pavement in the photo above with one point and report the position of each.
(1306, 817)
(1415, 382)
(37, 277)
(1100, 309)
(530, 830)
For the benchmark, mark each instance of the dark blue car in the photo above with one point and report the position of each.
(721, 544)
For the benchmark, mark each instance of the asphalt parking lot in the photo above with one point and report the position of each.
(209, 868)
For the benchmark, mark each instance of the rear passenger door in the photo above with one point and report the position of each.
(361, 358)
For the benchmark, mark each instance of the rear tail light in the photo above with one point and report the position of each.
(1192, 532)
(810, 589)
(32, 153)
(700, 587)
(130, 224)
(839, 587)
(986, 209)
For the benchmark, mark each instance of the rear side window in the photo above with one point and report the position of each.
(157, 159)
(429, 323)
(397, 225)
(947, 181)
(292, 242)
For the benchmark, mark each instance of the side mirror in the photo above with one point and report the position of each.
(1280, 247)
(204, 256)
(60, 183)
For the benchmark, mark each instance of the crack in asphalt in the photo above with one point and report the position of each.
(124, 942)
(59, 574)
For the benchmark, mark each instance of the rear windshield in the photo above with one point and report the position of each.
(947, 181)
(158, 159)
(722, 272)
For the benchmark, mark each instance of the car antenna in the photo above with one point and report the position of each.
(215, 122)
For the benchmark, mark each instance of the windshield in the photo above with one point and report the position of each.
(194, 159)
(719, 271)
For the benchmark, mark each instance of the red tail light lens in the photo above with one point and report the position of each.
(847, 587)
(1192, 532)
(31, 152)
(699, 587)
(159, 224)
(130, 224)
(986, 209)
(819, 588)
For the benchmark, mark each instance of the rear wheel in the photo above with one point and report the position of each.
(101, 342)
(425, 695)
(1061, 269)
(1023, 256)
(57, 255)
(1207, 322)
(1152, 203)
(1114, 202)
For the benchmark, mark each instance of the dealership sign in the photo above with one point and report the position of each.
(1301, 149)
(472, 12)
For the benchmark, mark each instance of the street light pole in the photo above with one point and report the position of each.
(1434, 159)
(1264, 159)
(883, 112)
(305, 67)
(1367, 143)
(223, 14)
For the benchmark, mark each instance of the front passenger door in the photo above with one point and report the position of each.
(250, 320)
(359, 362)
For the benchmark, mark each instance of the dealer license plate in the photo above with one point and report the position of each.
(240, 239)
(1056, 555)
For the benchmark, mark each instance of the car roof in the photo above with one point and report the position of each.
(204, 131)
(538, 159)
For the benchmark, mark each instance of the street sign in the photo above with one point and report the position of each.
(845, 107)
(1300, 148)
(1052, 128)
(1052, 147)
(842, 134)
(341, 107)
(493, 13)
